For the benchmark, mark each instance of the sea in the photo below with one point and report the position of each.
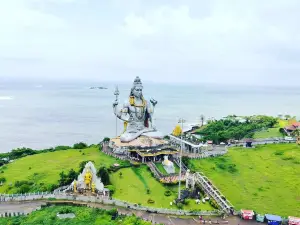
(48, 114)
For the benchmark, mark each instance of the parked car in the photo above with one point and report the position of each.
(288, 138)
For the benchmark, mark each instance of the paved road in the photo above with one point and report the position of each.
(26, 207)
(155, 218)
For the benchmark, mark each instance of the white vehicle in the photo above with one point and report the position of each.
(288, 138)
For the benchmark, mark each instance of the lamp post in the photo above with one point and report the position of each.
(117, 95)
(181, 120)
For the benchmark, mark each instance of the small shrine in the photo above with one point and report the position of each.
(168, 165)
(88, 183)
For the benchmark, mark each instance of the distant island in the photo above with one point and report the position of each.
(98, 87)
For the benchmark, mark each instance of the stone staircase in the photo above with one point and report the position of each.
(183, 166)
(214, 193)
(157, 174)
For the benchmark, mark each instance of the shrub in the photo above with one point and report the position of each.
(83, 163)
(112, 212)
(168, 193)
(2, 179)
(150, 201)
(288, 158)
(111, 189)
(106, 139)
(278, 152)
(62, 147)
(103, 174)
(24, 188)
(18, 184)
(232, 168)
(213, 203)
(221, 166)
(148, 191)
(65, 211)
(179, 205)
(80, 145)
(67, 178)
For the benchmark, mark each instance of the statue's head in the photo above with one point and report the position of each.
(137, 88)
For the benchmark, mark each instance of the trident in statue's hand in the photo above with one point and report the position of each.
(116, 102)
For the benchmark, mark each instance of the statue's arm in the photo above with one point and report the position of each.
(151, 105)
(121, 113)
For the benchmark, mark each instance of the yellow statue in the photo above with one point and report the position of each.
(93, 187)
(75, 189)
(177, 131)
(88, 179)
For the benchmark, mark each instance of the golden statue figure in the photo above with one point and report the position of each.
(177, 131)
(93, 187)
(75, 190)
(88, 179)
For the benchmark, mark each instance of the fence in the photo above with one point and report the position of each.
(101, 200)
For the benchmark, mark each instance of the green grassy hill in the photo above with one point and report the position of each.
(269, 133)
(43, 169)
(265, 179)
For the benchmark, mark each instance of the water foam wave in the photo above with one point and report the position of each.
(6, 98)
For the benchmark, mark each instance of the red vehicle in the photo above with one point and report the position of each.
(294, 220)
(247, 214)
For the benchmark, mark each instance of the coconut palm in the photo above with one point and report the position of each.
(202, 118)
(296, 133)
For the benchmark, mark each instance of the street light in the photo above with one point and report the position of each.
(181, 120)
(117, 93)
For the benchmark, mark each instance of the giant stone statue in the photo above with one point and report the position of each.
(137, 114)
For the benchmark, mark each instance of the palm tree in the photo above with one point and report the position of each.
(296, 133)
(287, 117)
(202, 118)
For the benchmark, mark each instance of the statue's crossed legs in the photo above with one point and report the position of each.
(129, 136)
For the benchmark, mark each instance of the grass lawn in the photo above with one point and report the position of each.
(265, 179)
(133, 185)
(45, 167)
(161, 168)
(271, 132)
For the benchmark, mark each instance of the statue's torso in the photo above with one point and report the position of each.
(136, 114)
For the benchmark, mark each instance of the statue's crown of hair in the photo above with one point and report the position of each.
(137, 82)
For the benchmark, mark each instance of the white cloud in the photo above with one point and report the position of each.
(218, 41)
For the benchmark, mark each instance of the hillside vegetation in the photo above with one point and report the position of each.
(42, 170)
(236, 128)
(83, 215)
(265, 179)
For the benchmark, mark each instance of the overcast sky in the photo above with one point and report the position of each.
(219, 41)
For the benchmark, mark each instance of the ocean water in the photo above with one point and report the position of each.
(42, 116)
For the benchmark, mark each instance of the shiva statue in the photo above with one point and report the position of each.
(137, 114)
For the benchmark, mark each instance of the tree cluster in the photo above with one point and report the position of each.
(232, 128)
(68, 178)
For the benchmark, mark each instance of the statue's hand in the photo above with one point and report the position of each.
(153, 101)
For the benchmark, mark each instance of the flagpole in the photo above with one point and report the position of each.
(180, 156)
